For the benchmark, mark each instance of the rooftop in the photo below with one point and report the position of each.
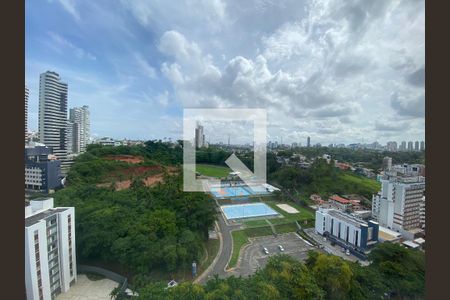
(339, 199)
(33, 219)
(346, 217)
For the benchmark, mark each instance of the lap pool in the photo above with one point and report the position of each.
(240, 211)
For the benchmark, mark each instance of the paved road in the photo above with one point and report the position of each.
(227, 247)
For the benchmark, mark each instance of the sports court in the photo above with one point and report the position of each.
(225, 192)
(250, 210)
(229, 192)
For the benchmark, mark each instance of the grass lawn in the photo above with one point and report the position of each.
(304, 213)
(256, 223)
(212, 170)
(212, 247)
(365, 183)
(285, 228)
(240, 238)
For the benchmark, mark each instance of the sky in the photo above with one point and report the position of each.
(337, 71)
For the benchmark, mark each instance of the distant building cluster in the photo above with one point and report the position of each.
(107, 141)
(403, 146)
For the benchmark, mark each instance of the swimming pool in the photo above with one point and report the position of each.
(240, 211)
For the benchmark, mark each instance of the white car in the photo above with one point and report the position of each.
(281, 248)
(347, 252)
(265, 250)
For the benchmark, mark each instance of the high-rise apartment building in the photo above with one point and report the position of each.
(398, 204)
(308, 142)
(26, 112)
(199, 136)
(422, 146)
(410, 146)
(50, 258)
(416, 146)
(402, 146)
(79, 124)
(53, 115)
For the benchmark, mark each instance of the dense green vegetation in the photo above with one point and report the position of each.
(324, 179)
(141, 228)
(394, 271)
(212, 170)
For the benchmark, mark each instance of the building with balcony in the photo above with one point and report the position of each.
(400, 203)
(50, 258)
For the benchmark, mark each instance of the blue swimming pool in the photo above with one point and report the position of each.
(240, 211)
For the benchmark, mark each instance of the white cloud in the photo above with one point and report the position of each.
(60, 42)
(144, 66)
(70, 7)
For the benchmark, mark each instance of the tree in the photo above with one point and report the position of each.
(333, 275)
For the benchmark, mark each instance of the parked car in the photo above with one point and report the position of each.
(265, 250)
(281, 248)
(347, 252)
(343, 249)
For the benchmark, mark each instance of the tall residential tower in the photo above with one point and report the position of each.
(53, 114)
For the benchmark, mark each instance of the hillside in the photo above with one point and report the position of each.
(324, 179)
(139, 227)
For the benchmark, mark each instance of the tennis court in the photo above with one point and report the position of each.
(241, 211)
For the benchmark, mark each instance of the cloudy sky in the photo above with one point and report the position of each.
(338, 71)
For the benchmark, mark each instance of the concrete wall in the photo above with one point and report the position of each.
(31, 280)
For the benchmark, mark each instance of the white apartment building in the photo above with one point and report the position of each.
(80, 123)
(53, 115)
(398, 205)
(50, 258)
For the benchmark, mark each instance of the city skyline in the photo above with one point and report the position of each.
(139, 72)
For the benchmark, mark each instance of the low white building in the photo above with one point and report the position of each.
(352, 231)
(50, 258)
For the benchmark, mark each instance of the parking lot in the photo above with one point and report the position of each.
(335, 250)
(253, 257)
